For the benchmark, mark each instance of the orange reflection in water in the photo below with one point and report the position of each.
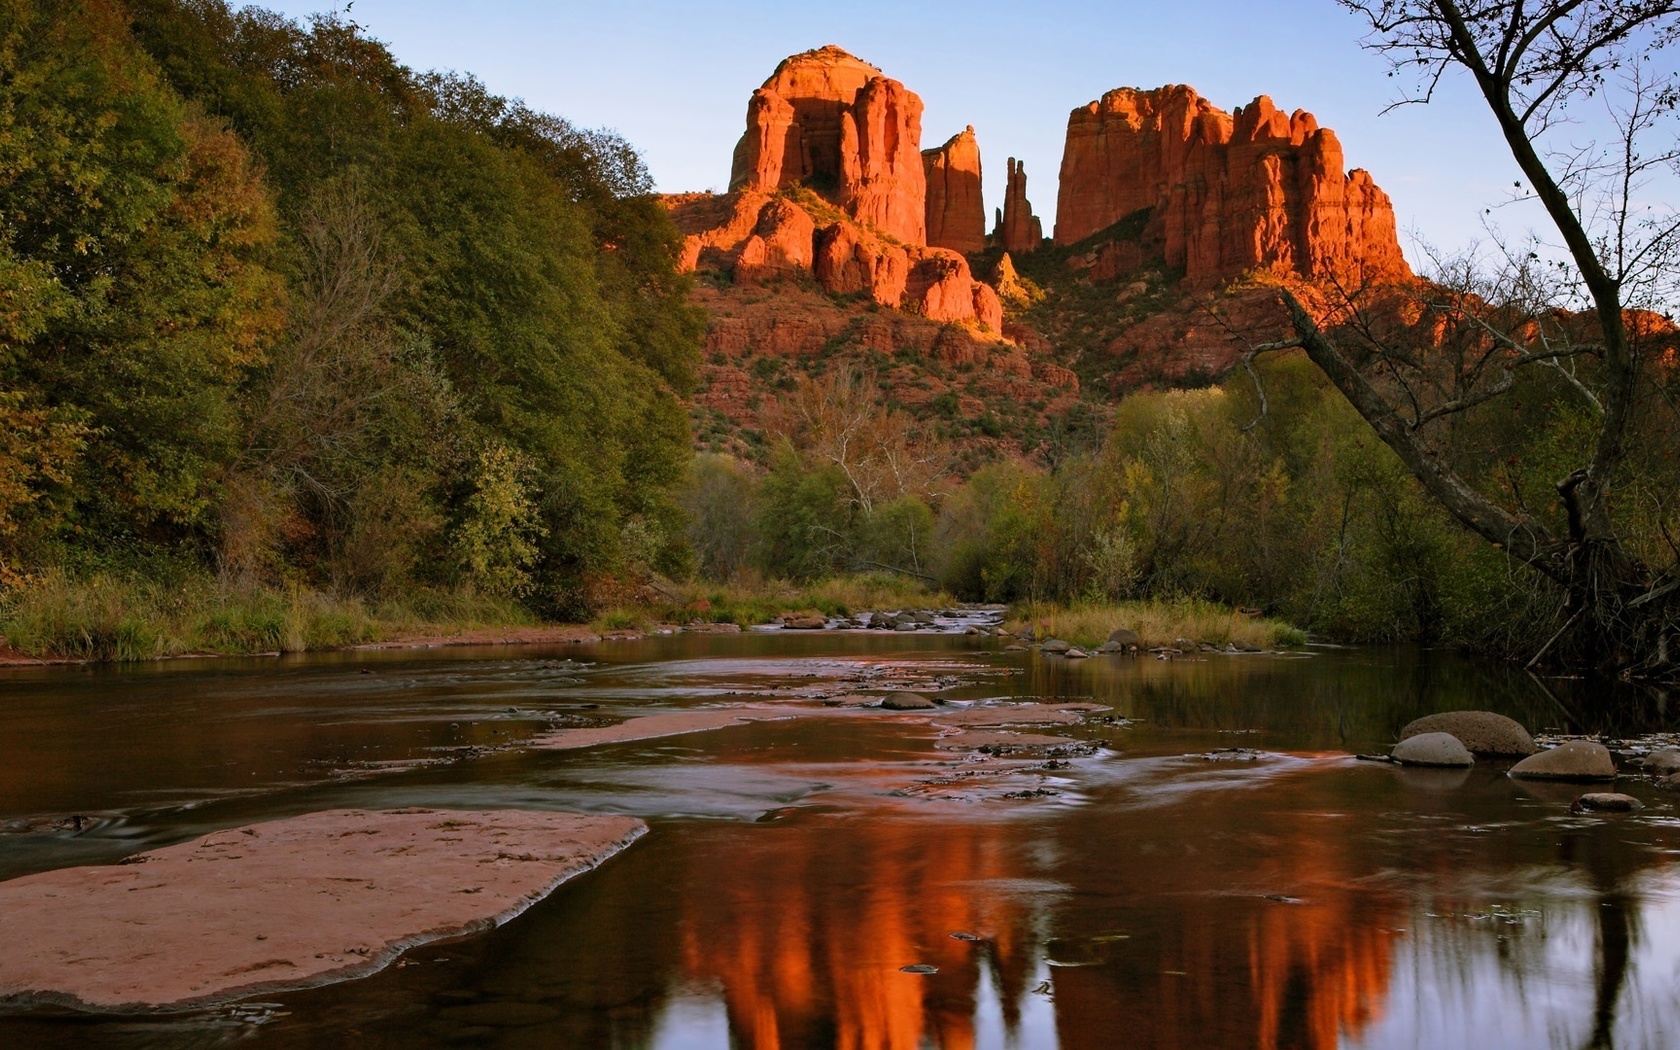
(1165, 946)
(1321, 968)
(1259, 926)
(807, 935)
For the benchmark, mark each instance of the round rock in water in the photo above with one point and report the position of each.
(1606, 802)
(1663, 763)
(1570, 760)
(1432, 749)
(1482, 732)
(1125, 637)
(1056, 645)
(1077, 654)
(908, 702)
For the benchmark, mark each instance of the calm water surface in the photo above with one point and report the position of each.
(1160, 892)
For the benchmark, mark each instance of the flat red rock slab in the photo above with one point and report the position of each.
(283, 905)
(676, 723)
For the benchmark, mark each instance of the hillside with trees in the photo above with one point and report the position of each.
(283, 313)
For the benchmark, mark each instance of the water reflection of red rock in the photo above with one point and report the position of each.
(1261, 927)
(807, 935)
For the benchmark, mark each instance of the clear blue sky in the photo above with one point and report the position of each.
(674, 78)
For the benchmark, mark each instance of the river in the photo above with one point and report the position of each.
(1205, 865)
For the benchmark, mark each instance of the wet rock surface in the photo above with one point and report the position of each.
(1605, 802)
(1432, 749)
(908, 702)
(1018, 715)
(1570, 760)
(1663, 763)
(285, 904)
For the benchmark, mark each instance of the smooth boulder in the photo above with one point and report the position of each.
(1606, 802)
(1662, 763)
(1481, 732)
(1056, 645)
(1432, 749)
(908, 702)
(1570, 760)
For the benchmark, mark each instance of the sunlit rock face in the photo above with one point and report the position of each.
(1226, 193)
(829, 183)
(831, 121)
(956, 216)
(1018, 229)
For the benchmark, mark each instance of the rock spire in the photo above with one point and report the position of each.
(956, 218)
(1019, 230)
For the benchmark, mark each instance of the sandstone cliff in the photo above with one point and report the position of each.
(840, 237)
(759, 238)
(956, 218)
(1225, 193)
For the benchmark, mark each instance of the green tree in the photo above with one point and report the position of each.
(133, 238)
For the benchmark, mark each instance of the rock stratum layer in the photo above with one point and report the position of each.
(1225, 193)
(758, 238)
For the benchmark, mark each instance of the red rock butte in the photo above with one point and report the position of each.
(1225, 193)
(834, 122)
(829, 129)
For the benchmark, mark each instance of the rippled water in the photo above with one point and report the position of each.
(1164, 891)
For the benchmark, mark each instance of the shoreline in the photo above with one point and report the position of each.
(1156, 624)
(558, 634)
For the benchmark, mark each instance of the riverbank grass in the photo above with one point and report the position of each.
(745, 603)
(112, 617)
(1158, 623)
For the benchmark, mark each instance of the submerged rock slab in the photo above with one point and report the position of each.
(651, 727)
(283, 905)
